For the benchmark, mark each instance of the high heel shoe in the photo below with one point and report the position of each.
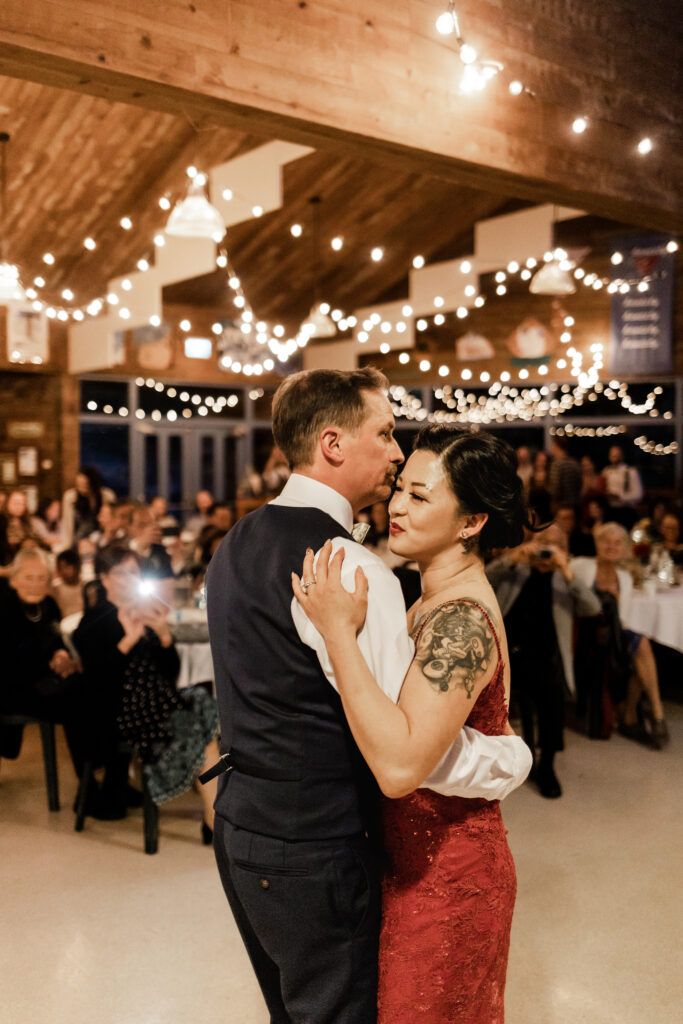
(207, 835)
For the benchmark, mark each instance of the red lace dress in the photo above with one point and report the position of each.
(448, 896)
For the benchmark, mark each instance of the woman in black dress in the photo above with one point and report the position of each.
(128, 653)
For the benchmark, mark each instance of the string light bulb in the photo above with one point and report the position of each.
(447, 22)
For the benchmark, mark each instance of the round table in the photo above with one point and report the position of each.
(659, 617)
(190, 632)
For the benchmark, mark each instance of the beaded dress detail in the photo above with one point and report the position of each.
(448, 896)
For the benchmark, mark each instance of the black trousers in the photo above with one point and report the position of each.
(538, 685)
(309, 916)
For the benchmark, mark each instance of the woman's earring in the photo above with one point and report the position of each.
(467, 542)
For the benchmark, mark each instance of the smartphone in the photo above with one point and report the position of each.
(545, 553)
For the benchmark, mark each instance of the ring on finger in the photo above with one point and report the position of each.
(305, 584)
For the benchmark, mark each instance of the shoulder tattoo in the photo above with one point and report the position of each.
(455, 647)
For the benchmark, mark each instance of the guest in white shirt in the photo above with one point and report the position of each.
(623, 486)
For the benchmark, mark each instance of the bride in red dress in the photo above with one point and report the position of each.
(449, 886)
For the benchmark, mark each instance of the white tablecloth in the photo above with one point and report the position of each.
(659, 617)
(196, 665)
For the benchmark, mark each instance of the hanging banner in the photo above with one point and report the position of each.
(642, 317)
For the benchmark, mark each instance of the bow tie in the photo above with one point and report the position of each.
(360, 532)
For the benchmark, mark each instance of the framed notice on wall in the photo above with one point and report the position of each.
(27, 334)
(641, 339)
(8, 469)
(27, 461)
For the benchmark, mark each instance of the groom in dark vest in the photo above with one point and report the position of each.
(296, 805)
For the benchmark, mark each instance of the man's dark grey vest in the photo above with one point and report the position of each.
(299, 774)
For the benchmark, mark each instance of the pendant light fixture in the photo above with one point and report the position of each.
(10, 285)
(318, 323)
(554, 277)
(194, 216)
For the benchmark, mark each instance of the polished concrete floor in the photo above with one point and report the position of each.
(94, 930)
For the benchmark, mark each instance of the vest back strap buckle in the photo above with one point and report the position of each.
(223, 765)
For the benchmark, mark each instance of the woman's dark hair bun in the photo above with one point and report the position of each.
(482, 473)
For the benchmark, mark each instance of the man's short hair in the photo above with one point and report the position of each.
(307, 402)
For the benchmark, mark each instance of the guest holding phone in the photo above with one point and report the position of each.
(128, 653)
(539, 596)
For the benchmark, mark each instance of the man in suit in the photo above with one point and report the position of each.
(296, 812)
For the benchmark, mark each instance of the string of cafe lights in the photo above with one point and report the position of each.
(245, 354)
(651, 448)
(502, 404)
(239, 338)
(642, 442)
(478, 72)
(375, 323)
(193, 404)
(505, 403)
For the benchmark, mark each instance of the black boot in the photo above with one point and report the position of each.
(546, 779)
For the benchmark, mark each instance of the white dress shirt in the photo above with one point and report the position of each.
(623, 484)
(475, 765)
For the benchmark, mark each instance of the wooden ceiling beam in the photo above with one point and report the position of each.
(373, 78)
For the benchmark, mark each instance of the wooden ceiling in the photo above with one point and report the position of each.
(77, 164)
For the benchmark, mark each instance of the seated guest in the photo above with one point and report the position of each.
(81, 503)
(651, 526)
(595, 513)
(66, 585)
(127, 649)
(579, 543)
(199, 519)
(168, 524)
(219, 518)
(212, 538)
(39, 677)
(108, 527)
(86, 552)
(15, 526)
(47, 523)
(539, 596)
(670, 532)
(155, 563)
(614, 587)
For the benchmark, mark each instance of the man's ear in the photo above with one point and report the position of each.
(330, 445)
